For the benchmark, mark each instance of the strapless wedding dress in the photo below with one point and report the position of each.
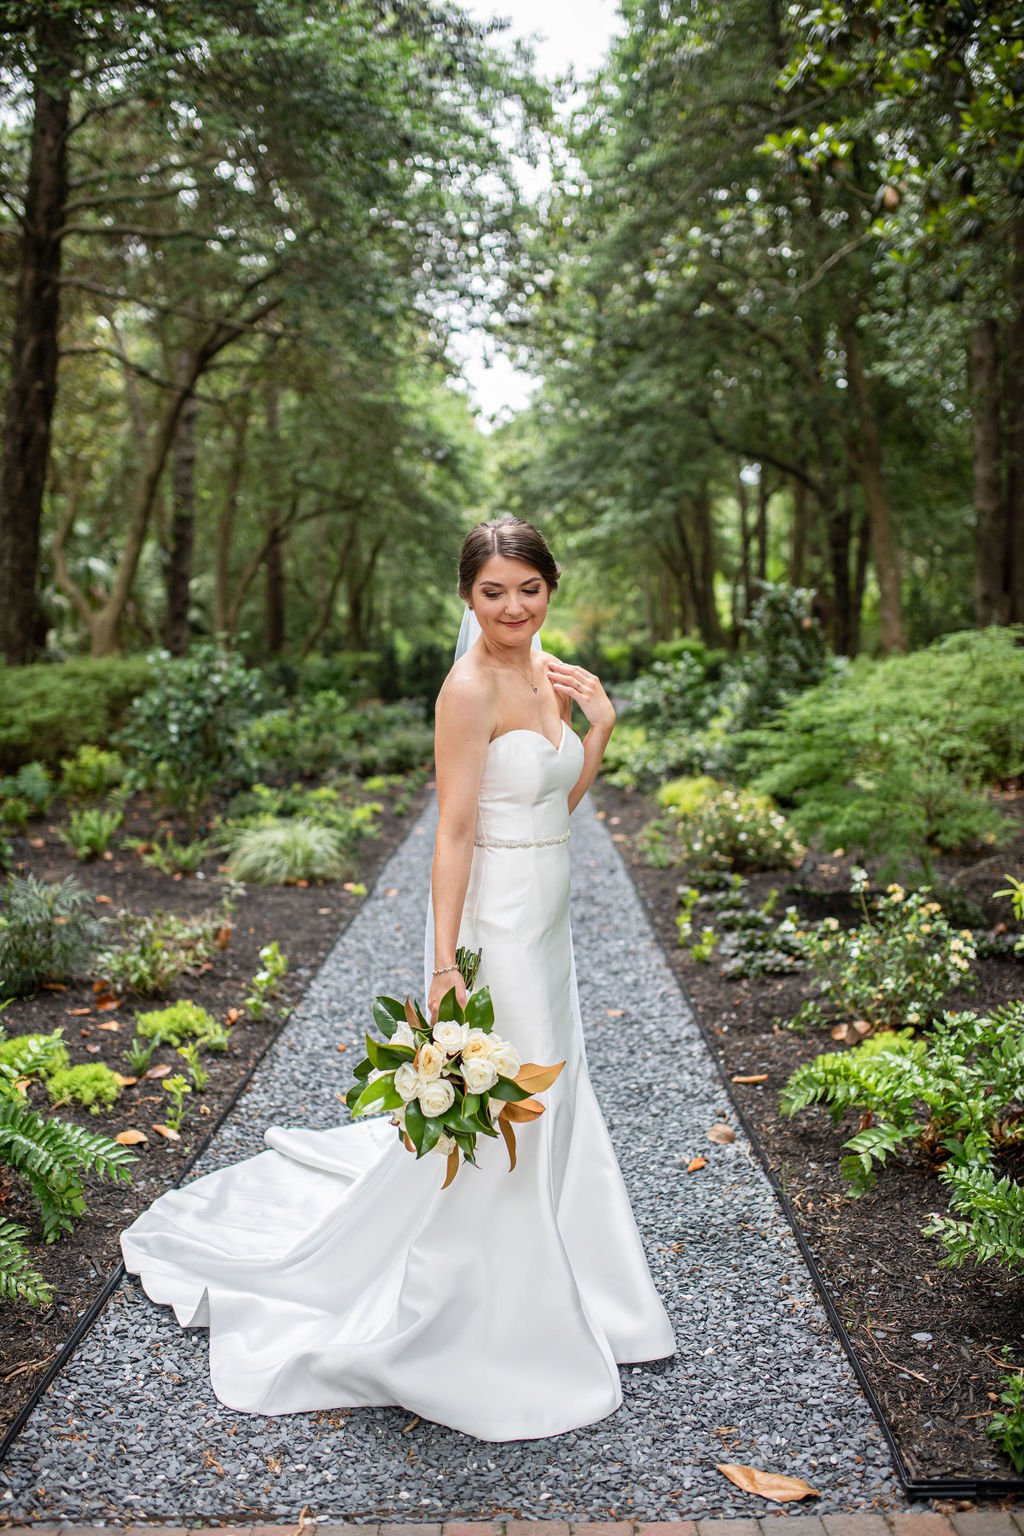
(332, 1270)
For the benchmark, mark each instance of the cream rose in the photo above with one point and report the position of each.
(444, 1143)
(507, 1059)
(479, 1074)
(429, 1061)
(450, 1035)
(403, 1035)
(436, 1097)
(408, 1081)
(478, 1047)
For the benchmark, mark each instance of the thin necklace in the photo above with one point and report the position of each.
(521, 674)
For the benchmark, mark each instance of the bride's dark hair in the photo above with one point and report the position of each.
(508, 536)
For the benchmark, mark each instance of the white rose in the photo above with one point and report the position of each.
(450, 1035)
(429, 1061)
(403, 1035)
(444, 1143)
(398, 1117)
(436, 1097)
(507, 1059)
(479, 1074)
(407, 1081)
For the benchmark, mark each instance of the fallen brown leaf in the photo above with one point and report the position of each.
(758, 1077)
(158, 1071)
(131, 1137)
(768, 1485)
(168, 1131)
(721, 1134)
(615, 1013)
(233, 1015)
(78, 1013)
(104, 901)
(696, 1163)
(222, 938)
(126, 1082)
(110, 1024)
(341, 1047)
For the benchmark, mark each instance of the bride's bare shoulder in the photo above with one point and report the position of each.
(467, 697)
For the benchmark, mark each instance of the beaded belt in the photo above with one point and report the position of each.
(520, 842)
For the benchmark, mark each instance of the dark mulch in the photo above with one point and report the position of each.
(305, 921)
(883, 1276)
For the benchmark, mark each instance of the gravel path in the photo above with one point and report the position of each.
(131, 1430)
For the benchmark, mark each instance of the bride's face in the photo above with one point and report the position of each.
(510, 600)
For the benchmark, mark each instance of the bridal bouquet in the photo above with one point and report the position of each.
(448, 1084)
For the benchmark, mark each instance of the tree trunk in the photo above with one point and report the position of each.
(865, 447)
(222, 616)
(798, 535)
(763, 497)
(705, 566)
(838, 526)
(274, 563)
(990, 531)
(1014, 578)
(743, 506)
(178, 569)
(274, 568)
(32, 385)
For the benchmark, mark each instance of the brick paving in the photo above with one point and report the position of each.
(1008, 1521)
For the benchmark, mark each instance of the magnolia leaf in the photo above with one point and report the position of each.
(131, 1137)
(410, 1016)
(721, 1133)
(695, 1163)
(510, 1138)
(769, 1485)
(168, 1131)
(535, 1078)
(524, 1109)
(453, 1167)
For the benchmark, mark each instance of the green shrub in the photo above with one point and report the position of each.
(32, 784)
(1006, 1426)
(15, 814)
(891, 757)
(170, 857)
(91, 772)
(156, 947)
(307, 738)
(671, 695)
(48, 1154)
(784, 653)
(177, 1024)
(47, 933)
(895, 968)
(636, 759)
(280, 852)
(685, 795)
(48, 1053)
(263, 806)
(49, 710)
(92, 1084)
(184, 734)
(90, 831)
(955, 1092)
(987, 1221)
(737, 829)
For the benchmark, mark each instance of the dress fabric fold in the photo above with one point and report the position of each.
(333, 1271)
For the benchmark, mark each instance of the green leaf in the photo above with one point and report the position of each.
(450, 1008)
(364, 1068)
(470, 1104)
(381, 1088)
(480, 1010)
(415, 1125)
(385, 1017)
(387, 1057)
(431, 1135)
(511, 1092)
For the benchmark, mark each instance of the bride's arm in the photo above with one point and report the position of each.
(583, 687)
(462, 727)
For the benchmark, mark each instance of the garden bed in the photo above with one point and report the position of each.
(304, 921)
(929, 1340)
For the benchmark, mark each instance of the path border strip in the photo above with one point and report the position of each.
(977, 1522)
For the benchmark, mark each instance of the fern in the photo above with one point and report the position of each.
(957, 1091)
(989, 1223)
(48, 1153)
(18, 1280)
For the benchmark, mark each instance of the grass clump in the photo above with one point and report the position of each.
(92, 1084)
(46, 933)
(282, 852)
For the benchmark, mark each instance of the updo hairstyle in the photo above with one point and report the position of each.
(508, 536)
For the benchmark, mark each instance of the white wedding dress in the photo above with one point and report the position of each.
(332, 1270)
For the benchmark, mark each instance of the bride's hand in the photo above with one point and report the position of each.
(440, 986)
(584, 689)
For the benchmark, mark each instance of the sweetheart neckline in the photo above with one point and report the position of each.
(524, 730)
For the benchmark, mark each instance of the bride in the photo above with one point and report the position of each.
(332, 1270)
